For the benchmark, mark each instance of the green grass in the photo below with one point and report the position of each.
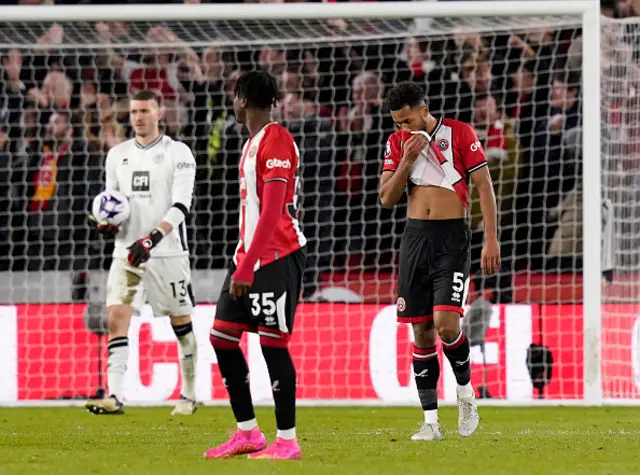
(342, 441)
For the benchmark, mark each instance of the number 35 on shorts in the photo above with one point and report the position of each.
(271, 310)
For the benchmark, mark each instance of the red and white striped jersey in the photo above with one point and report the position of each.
(270, 155)
(447, 161)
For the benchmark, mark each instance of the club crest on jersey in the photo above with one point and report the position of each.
(387, 150)
(443, 144)
(401, 304)
(253, 152)
(158, 158)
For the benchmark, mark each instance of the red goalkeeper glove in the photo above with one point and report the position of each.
(109, 231)
(140, 251)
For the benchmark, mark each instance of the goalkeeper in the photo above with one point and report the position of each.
(150, 257)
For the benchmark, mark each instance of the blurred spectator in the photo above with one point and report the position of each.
(551, 172)
(495, 131)
(315, 137)
(57, 181)
(362, 132)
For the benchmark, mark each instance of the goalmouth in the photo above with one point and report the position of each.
(499, 13)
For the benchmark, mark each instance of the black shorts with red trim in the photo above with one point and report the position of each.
(269, 306)
(435, 260)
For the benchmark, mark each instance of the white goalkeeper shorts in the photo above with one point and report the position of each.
(163, 282)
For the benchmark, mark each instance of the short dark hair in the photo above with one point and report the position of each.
(259, 88)
(145, 95)
(405, 94)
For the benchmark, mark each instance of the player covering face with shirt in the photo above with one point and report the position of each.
(150, 257)
(434, 159)
(262, 287)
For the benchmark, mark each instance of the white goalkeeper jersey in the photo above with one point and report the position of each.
(155, 177)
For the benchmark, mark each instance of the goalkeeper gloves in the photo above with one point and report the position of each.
(140, 251)
(109, 231)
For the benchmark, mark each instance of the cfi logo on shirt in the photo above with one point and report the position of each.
(475, 146)
(276, 163)
(140, 181)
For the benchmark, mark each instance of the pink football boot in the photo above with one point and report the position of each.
(242, 442)
(281, 449)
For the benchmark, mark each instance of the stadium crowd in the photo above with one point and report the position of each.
(63, 105)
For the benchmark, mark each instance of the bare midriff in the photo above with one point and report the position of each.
(433, 202)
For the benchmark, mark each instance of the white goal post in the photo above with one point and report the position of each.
(587, 15)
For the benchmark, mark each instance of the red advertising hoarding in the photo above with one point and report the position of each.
(351, 352)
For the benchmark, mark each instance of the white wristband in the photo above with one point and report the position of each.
(174, 217)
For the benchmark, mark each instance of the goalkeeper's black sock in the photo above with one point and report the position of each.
(283, 384)
(458, 353)
(235, 374)
(426, 370)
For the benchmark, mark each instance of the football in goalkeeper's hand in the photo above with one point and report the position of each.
(111, 207)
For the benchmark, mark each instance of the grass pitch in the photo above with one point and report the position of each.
(349, 441)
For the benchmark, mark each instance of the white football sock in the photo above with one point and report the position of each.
(288, 434)
(465, 391)
(431, 416)
(117, 364)
(188, 353)
(248, 425)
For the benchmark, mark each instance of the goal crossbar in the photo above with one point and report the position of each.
(284, 11)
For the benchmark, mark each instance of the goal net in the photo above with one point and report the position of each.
(518, 80)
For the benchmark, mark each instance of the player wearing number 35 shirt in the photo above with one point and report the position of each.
(262, 287)
(150, 257)
(434, 159)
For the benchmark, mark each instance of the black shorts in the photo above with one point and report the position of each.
(270, 303)
(434, 268)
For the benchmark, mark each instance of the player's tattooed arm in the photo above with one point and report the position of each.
(490, 258)
(393, 184)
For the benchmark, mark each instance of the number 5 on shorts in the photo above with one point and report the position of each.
(460, 286)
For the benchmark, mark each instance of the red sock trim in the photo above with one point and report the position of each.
(424, 351)
(455, 344)
(423, 354)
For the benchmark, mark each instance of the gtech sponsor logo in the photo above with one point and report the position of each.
(276, 163)
(475, 146)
